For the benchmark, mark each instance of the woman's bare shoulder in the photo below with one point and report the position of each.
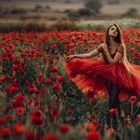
(120, 48)
(101, 44)
(99, 47)
(121, 45)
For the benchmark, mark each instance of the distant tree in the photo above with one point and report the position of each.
(48, 7)
(94, 5)
(85, 12)
(38, 7)
(113, 1)
(131, 12)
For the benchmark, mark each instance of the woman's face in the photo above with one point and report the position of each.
(113, 31)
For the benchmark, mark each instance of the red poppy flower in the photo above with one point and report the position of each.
(18, 100)
(57, 87)
(52, 62)
(112, 111)
(37, 118)
(11, 89)
(93, 135)
(55, 113)
(137, 54)
(60, 78)
(5, 132)
(37, 121)
(132, 50)
(91, 126)
(123, 96)
(33, 89)
(18, 129)
(132, 99)
(85, 49)
(51, 137)
(10, 46)
(20, 111)
(68, 53)
(39, 78)
(64, 128)
(47, 81)
(53, 70)
(37, 113)
(3, 78)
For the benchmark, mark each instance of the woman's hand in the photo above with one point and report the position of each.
(104, 46)
(69, 57)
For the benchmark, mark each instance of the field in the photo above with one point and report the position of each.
(37, 99)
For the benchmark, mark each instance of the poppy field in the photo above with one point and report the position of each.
(39, 102)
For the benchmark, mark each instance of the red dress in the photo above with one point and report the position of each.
(94, 75)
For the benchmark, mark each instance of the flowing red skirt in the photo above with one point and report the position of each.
(93, 75)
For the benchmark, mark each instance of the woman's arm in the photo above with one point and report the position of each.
(117, 57)
(93, 53)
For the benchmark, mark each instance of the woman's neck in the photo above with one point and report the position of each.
(112, 41)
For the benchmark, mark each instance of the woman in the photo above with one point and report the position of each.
(112, 75)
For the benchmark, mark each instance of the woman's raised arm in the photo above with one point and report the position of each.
(117, 56)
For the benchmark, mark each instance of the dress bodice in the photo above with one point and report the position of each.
(119, 49)
(104, 56)
(112, 55)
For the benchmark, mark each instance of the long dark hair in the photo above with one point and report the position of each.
(117, 39)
